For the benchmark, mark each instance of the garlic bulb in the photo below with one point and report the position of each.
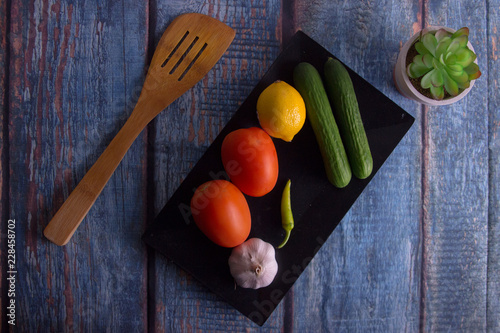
(252, 264)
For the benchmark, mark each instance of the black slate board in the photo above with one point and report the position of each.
(318, 206)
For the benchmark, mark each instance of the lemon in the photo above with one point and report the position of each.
(281, 110)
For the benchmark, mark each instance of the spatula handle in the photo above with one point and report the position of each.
(75, 208)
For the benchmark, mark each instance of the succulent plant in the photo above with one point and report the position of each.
(444, 62)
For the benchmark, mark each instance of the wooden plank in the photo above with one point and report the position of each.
(75, 69)
(455, 234)
(184, 131)
(366, 277)
(4, 147)
(493, 76)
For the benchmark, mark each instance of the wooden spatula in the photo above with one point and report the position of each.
(188, 49)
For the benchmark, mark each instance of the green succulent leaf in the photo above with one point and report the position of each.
(430, 43)
(426, 81)
(418, 60)
(463, 85)
(462, 40)
(442, 65)
(437, 78)
(461, 32)
(427, 60)
(421, 49)
(450, 59)
(473, 68)
(437, 92)
(465, 57)
(455, 68)
(415, 71)
(441, 33)
(474, 76)
(437, 64)
(457, 43)
(450, 85)
(442, 46)
(459, 77)
(441, 60)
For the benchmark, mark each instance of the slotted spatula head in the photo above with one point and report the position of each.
(188, 49)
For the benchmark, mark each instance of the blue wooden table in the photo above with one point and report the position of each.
(419, 250)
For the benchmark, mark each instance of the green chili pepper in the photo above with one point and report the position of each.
(286, 213)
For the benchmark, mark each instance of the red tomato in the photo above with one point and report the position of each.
(221, 212)
(250, 160)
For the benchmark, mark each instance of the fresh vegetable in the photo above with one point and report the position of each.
(253, 264)
(286, 213)
(221, 212)
(250, 159)
(346, 110)
(308, 82)
(281, 110)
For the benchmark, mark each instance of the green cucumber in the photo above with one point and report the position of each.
(346, 110)
(308, 82)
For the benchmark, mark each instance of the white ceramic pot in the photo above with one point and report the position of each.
(403, 83)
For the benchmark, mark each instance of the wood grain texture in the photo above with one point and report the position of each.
(493, 77)
(164, 83)
(184, 131)
(74, 69)
(455, 239)
(4, 147)
(419, 251)
(367, 275)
